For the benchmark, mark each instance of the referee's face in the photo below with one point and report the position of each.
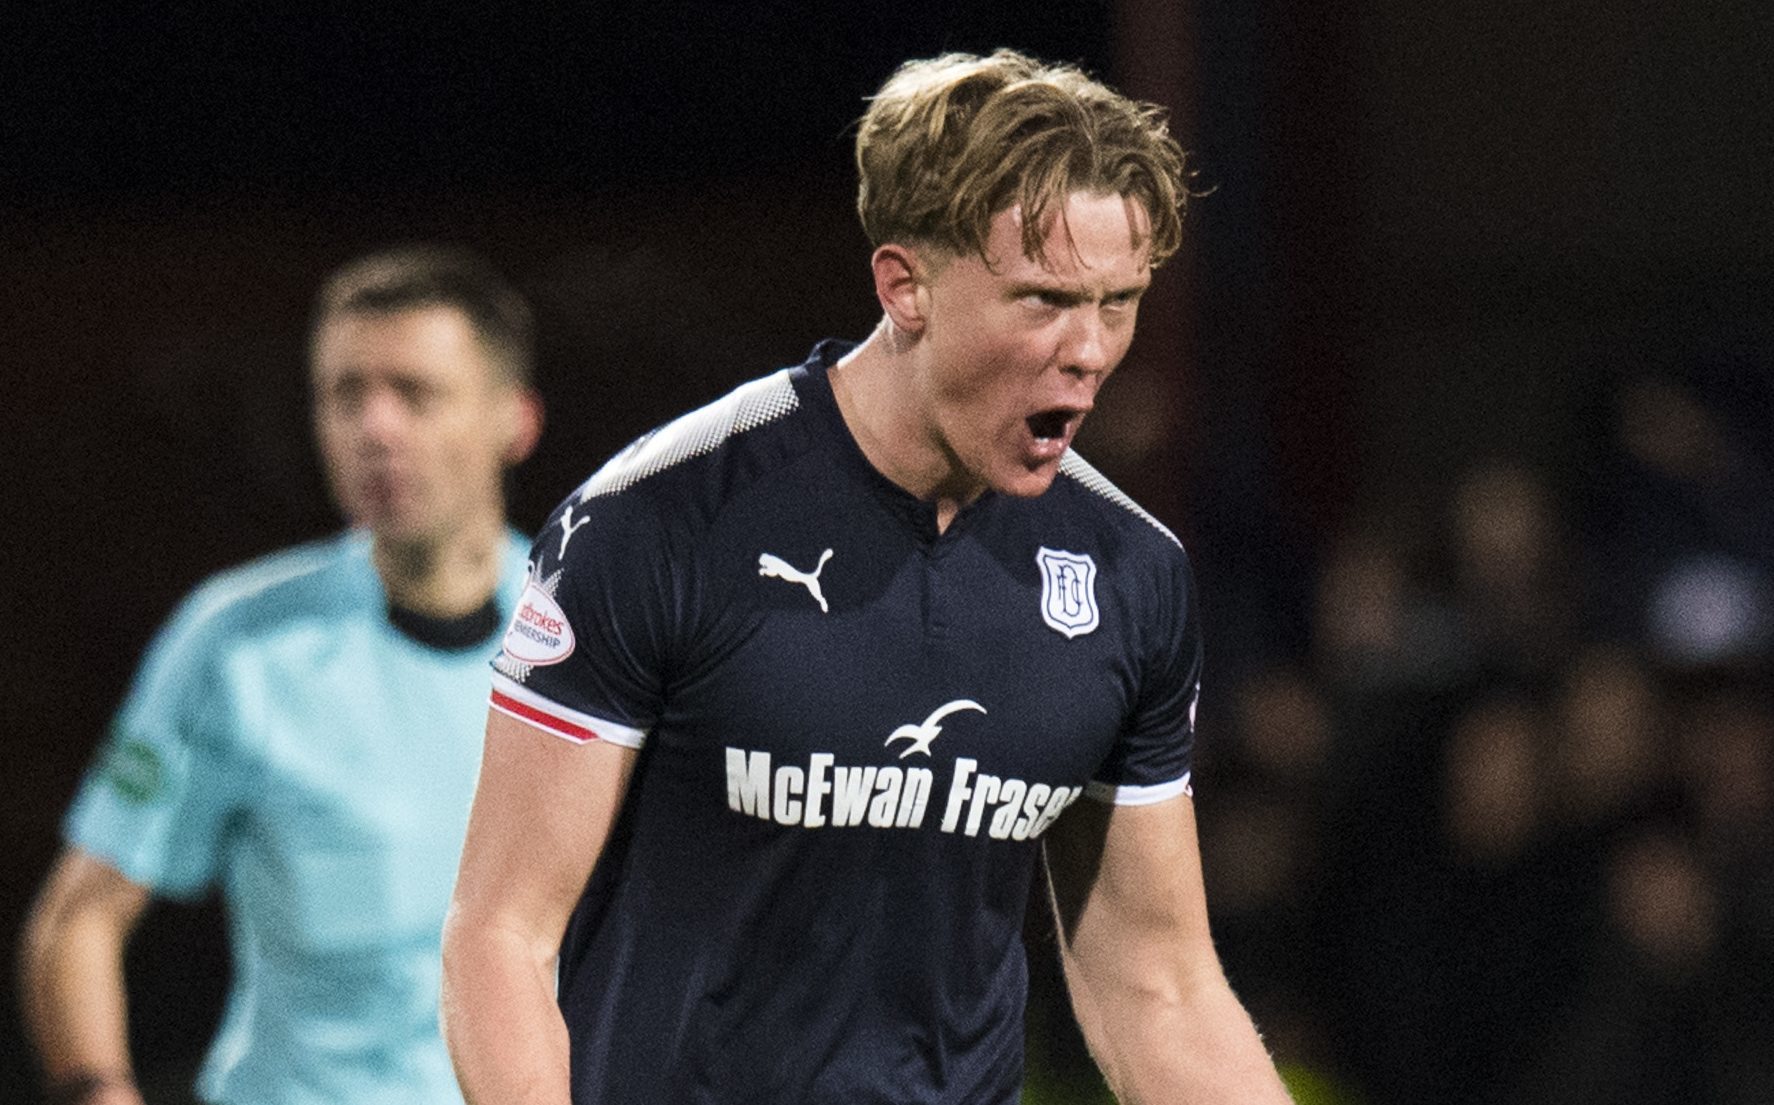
(1012, 353)
(415, 423)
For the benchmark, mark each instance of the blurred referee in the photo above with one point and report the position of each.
(304, 733)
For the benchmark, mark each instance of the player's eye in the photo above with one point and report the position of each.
(345, 395)
(1122, 300)
(415, 395)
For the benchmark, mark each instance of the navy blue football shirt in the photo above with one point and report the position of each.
(854, 731)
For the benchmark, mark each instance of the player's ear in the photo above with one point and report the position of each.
(523, 424)
(900, 274)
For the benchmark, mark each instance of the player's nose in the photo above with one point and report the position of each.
(381, 419)
(1089, 352)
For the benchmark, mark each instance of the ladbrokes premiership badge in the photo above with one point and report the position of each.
(538, 633)
(1068, 591)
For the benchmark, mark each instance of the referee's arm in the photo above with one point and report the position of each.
(71, 979)
(1145, 981)
(542, 811)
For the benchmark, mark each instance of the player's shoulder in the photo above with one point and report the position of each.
(690, 467)
(1080, 489)
(708, 431)
(310, 578)
(1126, 548)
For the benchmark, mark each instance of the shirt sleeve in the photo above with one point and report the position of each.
(584, 655)
(1154, 756)
(156, 799)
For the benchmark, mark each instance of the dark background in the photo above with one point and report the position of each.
(1436, 233)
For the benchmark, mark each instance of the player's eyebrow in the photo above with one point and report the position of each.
(1070, 295)
(1055, 293)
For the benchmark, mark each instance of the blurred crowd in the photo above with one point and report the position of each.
(1498, 824)
(1501, 830)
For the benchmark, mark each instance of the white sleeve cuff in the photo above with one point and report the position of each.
(1139, 796)
(515, 700)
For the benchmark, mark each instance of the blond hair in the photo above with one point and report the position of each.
(949, 142)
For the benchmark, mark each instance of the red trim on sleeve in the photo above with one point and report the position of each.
(547, 721)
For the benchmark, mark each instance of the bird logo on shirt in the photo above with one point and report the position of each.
(923, 733)
(777, 568)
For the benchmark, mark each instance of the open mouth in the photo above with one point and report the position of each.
(1049, 425)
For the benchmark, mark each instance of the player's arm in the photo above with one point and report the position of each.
(71, 979)
(1146, 984)
(542, 812)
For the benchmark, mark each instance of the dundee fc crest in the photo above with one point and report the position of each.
(1068, 591)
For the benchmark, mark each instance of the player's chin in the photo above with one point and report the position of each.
(397, 527)
(394, 517)
(1027, 481)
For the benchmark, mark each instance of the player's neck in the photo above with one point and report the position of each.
(442, 578)
(874, 388)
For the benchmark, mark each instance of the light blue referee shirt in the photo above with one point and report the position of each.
(285, 742)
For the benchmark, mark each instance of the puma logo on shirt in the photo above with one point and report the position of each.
(777, 568)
